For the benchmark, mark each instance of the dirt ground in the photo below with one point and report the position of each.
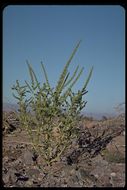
(104, 167)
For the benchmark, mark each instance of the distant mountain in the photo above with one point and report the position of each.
(99, 115)
(14, 107)
(9, 107)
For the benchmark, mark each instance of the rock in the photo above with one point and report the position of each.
(27, 158)
(29, 183)
(99, 161)
(85, 178)
(72, 172)
(17, 162)
(64, 185)
(82, 174)
(6, 159)
(62, 174)
(73, 181)
(10, 177)
(113, 174)
(108, 185)
(33, 172)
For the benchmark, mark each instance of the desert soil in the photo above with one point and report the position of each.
(101, 168)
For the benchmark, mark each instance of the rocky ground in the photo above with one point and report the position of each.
(99, 160)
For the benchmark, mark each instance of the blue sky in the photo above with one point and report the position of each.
(49, 34)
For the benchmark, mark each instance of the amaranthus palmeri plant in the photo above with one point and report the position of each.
(51, 115)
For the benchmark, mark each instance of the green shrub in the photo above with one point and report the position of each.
(51, 115)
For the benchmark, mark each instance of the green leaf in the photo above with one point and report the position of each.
(28, 86)
(69, 89)
(63, 85)
(74, 74)
(31, 73)
(88, 78)
(63, 75)
(37, 83)
(15, 96)
(33, 77)
(46, 76)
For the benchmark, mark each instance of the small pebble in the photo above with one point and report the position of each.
(72, 172)
(28, 158)
(113, 174)
(96, 175)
